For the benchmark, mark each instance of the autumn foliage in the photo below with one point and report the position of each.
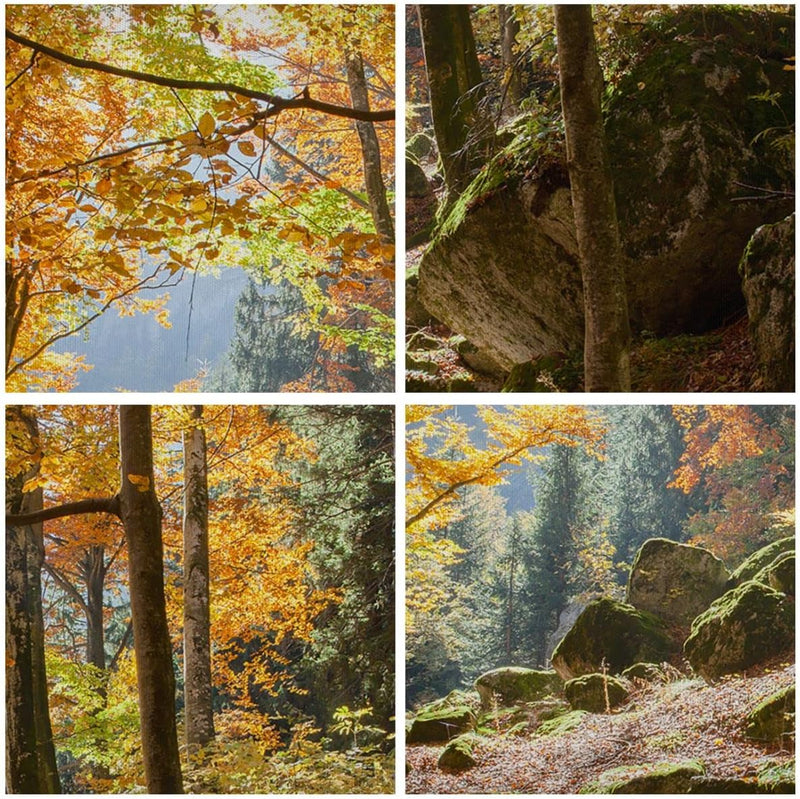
(147, 143)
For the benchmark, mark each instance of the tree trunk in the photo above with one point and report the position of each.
(512, 80)
(607, 340)
(196, 613)
(95, 570)
(370, 150)
(30, 752)
(455, 86)
(141, 517)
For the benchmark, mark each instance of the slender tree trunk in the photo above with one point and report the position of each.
(370, 149)
(607, 342)
(95, 570)
(454, 82)
(196, 613)
(141, 517)
(512, 80)
(30, 752)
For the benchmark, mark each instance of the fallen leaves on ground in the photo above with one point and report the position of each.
(682, 720)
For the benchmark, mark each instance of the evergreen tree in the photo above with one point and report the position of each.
(644, 444)
(552, 550)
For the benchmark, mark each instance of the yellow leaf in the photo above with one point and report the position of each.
(103, 187)
(173, 197)
(206, 125)
(246, 147)
(198, 205)
(141, 481)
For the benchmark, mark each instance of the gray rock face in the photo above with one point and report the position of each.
(503, 270)
(745, 626)
(513, 684)
(416, 181)
(767, 270)
(614, 635)
(675, 581)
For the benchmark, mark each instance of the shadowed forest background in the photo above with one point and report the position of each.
(600, 198)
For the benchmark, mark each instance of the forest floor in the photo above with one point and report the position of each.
(668, 723)
(720, 360)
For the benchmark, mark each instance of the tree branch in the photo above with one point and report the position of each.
(90, 505)
(278, 103)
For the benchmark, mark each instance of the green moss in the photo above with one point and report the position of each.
(647, 778)
(511, 684)
(778, 778)
(458, 755)
(758, 560)
(563, 723)
(589, 692)
(772, 719)
(745, 626)
(440, 725)
(536, 140)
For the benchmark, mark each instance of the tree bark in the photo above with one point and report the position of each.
(30, 752)
(196, 605)
(607, 339)
(141, 518)
(370, 150)
(512, 81)
(95, 571)
(454, 83)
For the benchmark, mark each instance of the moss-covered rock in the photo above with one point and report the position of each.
(747, 625)
(759, 559)
(767, 270)
(779, 574)
(681, 123)
(596, 693)
(512, 684)
(561, 723)
(675, 581)
(420, 146)
(644, 672)
(458, 755)
(613, 633)
(647, 778)
(777, 778)
(440, 725)
(772, 721)
(416, 181)
(556, 371)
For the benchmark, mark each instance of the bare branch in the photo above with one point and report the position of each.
(90, 505)
(278, 103)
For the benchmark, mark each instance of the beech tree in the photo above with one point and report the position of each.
(607, 336)
(196, 605)
(30, 754)
(138, 508)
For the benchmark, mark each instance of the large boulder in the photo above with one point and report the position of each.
(681, 124)
(779, 574)
(596, 693)
(745, 626)
(759, 559)
(613, 635)
(458, 755)
(437, 726)
(513, 684)
(675, 581)
(416, 180)
(767, 270)
(648, 778)
(772, 720)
